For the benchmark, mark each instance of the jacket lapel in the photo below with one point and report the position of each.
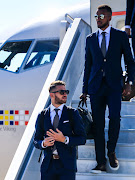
(111, 41)
(63, 116)
(97, 42)
(47, 120)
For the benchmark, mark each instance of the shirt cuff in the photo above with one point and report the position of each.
(127, 26)
(130, 83)
(43, 145)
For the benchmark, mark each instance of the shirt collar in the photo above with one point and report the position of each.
(52, 107)
(107, 30)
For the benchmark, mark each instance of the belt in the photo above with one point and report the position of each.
(55, 156)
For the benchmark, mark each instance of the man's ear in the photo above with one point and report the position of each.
(110, 18)
(51, 95)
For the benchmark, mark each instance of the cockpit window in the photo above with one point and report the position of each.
(43, 53)
(12, 55)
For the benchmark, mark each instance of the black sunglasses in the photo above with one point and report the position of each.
(101, 16)
(62, 92)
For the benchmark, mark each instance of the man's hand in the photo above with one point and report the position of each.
(48, 141)
(128, 31)
(127, 90)
(58, 136)
(83, 97)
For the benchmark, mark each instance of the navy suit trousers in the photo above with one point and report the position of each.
(56, 171)
(133, 38)
(105, 96)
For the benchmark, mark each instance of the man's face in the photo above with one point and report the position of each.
(103, 19)
(58, 98)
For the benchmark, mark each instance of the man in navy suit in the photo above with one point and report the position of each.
(130, 21)
(103, 82)
(57, 137)
(130, 30)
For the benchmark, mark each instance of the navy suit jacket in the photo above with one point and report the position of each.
(130, 12)
(95, 63)
(67, 152)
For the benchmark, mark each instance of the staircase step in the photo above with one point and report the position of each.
(127, 108)
(127, 122)
(122, 151)
(104, 176)
(127, 114)
(125, 136)
(127, 166)
(125, 150)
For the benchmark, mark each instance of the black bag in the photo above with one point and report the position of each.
(87, 119)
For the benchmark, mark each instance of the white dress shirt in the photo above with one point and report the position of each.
(52, 115)
(127, 26)
(107, 36)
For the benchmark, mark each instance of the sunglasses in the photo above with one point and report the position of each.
(62, 92)
(101, 16)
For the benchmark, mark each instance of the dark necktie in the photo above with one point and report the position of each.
(103, 44)
(55, 125)
(56, 119)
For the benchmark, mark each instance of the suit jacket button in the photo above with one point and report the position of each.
(104, 60)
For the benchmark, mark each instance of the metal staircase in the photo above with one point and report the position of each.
(68, 66)
(125, 150)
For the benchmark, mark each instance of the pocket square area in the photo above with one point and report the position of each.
(66, 121)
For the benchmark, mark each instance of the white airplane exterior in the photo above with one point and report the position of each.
(25, 61)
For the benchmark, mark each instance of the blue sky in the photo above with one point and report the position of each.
(16, 14)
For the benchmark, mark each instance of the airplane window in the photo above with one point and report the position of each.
(12, 55)
(44, 52)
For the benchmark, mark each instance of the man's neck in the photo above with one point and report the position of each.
(56, 105)
(103, 29)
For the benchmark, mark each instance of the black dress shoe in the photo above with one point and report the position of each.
(99, 169)
(113, 161)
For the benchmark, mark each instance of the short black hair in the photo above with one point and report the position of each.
(56, 83)
(105, 7)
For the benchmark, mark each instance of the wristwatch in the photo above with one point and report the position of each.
(66, 140)
(130, 83)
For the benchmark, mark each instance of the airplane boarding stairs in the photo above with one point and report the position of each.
(68, 66)
(125, 150)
